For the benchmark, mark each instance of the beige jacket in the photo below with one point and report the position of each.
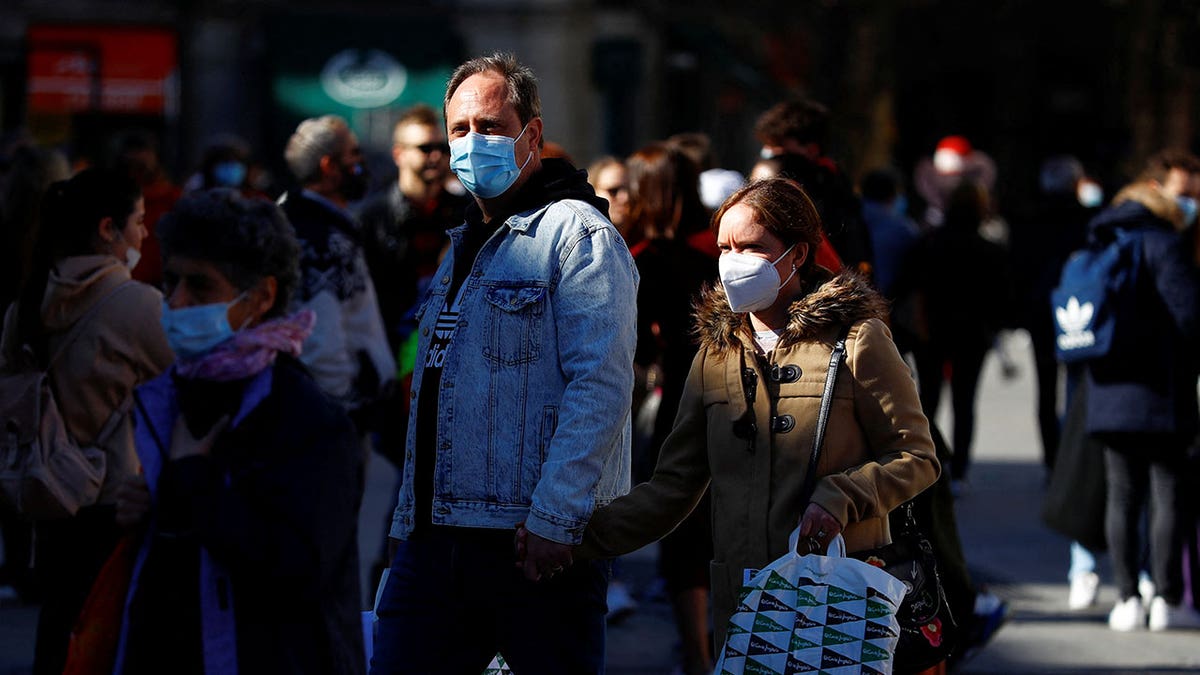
(878, 452)
(122, 346)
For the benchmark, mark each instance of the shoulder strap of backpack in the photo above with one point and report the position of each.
(83, 321)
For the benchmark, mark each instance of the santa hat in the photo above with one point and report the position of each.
(951, 153)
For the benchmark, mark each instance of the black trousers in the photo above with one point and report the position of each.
(1145, 470)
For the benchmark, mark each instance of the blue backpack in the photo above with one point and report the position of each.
(1095, 301)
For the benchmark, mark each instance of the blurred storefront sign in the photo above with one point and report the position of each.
(81, 68)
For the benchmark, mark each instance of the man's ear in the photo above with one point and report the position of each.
(534, 131)
(328, 166)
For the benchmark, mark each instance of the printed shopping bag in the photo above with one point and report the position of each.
(814, 613)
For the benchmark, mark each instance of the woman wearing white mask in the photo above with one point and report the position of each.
(749, 410)
(80, 313)
(249, 561)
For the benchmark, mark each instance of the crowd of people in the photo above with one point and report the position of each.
(564, 366)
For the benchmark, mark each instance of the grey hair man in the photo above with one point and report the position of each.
(348, 351)
(520, 408)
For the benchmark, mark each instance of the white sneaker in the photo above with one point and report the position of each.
(1127, 615)
(1164, 616)
(1085, 586)
(1146, 589)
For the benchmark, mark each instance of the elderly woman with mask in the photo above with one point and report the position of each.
(249, 561)
(748, 414)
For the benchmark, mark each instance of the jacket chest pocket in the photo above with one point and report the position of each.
(514, 323)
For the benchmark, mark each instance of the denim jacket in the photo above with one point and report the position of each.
(534, 407)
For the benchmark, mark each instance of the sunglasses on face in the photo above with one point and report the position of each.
(428, 148)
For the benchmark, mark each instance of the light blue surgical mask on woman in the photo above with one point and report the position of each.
(192, 331)
(486, 165)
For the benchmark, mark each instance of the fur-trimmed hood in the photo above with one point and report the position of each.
(840, 300)
(1161, 205)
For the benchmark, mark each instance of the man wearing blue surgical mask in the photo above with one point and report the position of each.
(520, 410)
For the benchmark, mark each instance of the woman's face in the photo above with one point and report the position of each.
(191, 282)
(130, 234)
(612, 184)
(739, 232)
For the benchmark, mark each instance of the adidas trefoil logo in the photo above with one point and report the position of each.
(1074, 320)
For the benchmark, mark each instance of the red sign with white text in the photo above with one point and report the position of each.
(116, 69)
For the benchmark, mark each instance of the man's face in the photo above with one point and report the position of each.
(351, 170)
(1180, 183)
(480, 104)
(422, 151)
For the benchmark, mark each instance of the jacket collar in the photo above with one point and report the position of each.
(830, 301)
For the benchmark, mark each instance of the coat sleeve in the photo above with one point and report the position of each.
(1174, 277)
(897, 433)
(654, 508)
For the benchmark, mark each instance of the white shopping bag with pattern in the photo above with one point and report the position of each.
(814, 613)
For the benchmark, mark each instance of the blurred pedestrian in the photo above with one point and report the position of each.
(1141, 402)
(796, 133)
(78, 279)
(138, 157)
(347, 352)
(521, 408)
(715, 183)
(608, 177)
(893, 233)
(749, 411)
(964, 290)
(251, 487)
(663, 203)
(1058, 228)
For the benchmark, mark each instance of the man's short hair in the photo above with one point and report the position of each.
(1162, 162)
(804, 121)
(522, 85)
(420, 114)
(315, 138)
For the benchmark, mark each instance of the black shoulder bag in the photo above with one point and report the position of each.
(927, 627)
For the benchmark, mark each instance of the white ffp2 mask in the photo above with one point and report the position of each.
(751, 283)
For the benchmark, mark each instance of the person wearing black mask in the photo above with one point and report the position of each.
(348, 352)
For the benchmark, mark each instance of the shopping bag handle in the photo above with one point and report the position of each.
(836, 549)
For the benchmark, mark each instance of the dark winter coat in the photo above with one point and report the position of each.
(1153, 389)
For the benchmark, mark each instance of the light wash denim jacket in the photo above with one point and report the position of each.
(534, 407)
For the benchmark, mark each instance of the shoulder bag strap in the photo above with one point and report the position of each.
(82, 322)
(835, 362)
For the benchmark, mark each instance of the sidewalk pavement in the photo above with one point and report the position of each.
(1006, 545)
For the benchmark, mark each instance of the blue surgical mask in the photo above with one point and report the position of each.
(486, 165)
(1188, 206)
(192, 331)
(229, 174)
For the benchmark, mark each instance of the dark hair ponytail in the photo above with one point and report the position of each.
(70, 217)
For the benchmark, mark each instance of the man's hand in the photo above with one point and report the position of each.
(133, 501)
(540, 557)
(817, 528)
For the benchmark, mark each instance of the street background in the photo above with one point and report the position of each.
(1006, 545)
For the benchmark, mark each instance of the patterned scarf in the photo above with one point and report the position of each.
(252, 350)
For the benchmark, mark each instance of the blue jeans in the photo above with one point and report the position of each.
(454, 598)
